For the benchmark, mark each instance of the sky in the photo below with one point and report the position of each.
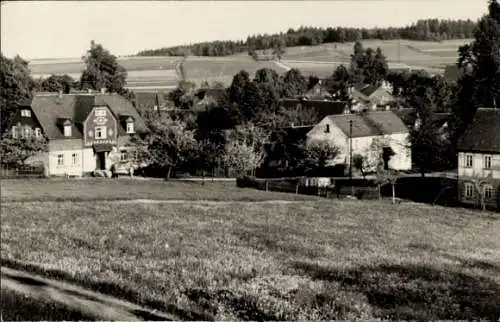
(64, 29)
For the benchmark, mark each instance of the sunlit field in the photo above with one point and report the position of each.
(244, 260)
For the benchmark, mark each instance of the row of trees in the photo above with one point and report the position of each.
(428, 29)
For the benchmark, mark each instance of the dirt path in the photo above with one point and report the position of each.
(26, 296)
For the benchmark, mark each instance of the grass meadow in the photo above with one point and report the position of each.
(315, 259)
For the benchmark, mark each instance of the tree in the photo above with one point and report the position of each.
(294, 83)
(168, 144)
(340, 83)
(17, 150)
(428, 150)
(102, 70)
(242, 157)
(480, 183)
(359, 163)
(316, 155)
(246, 148)
(17, 86)
(56, 83)
(479, 63)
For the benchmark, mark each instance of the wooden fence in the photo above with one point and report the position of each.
(14, 172)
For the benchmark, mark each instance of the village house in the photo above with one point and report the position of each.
(319, 108)
(85, 132)
(479, 159)
(372, 133)
(371, 97)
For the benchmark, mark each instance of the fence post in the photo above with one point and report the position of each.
(267, 185)
(297, 188)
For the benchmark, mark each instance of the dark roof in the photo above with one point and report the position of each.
(370, 123)
(408, 116)
(322, 107)
(483, 134)
(49, 109)
(149, 99)
(368, 90)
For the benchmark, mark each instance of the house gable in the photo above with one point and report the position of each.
(100, 127)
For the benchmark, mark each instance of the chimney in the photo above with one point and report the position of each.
(103, 90)
(60, 94)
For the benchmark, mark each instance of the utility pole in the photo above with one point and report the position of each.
(350, 156)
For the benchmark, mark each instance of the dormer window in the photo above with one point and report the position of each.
(67, 128)
(128, 121)
(25, 113)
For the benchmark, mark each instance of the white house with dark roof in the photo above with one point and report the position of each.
(85, 132)
(382, 129)
(479, 158)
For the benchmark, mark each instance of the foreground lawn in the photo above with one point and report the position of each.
(255, 261)
(126, 189)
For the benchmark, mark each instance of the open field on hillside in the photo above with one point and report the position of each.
(125, 189)
(250, 261)
(159, 72)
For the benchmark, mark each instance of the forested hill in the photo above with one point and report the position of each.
(428, 30)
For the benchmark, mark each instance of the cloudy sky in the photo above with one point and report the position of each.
(45, 29)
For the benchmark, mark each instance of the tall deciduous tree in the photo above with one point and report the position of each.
(316, 156)
(168, 144)
(102, 70)
(16, 151)
(479, 61)
(16, 85)
(56, 83)
(294, 83)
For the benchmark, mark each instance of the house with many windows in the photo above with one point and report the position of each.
(479, 159)
(85, 131)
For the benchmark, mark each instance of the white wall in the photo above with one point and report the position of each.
(363, 145)
(68, 167)
(89, 160)
(478, 165)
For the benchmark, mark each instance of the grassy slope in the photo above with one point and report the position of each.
(314, 260)
(320, 60)
(123, 189)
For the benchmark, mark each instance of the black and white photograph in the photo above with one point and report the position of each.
(293, 160)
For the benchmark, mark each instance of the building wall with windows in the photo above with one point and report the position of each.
(65, 157)
(473, 169)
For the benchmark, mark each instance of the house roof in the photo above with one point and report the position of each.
(322, 107)
(291, 134)
(50, 108)
(370, 123)
(149, 99)
(408, 116)
(483, 134)
(368, 90)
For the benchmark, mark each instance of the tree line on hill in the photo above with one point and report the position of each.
(426, 29)
(232, 130)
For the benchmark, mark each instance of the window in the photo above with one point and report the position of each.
(469, 189)
(67, 130)
(488, 191)
(487, 161)
(124, 156)
(60, 159)
(100, 132)
(25, 113)
(100, 112)
(130, 127)
(27, 132)
(327, 129)
(14, 132)
(74, 158)
(468, 160)
(38, 132)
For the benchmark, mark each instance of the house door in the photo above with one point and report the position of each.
(100, 161)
